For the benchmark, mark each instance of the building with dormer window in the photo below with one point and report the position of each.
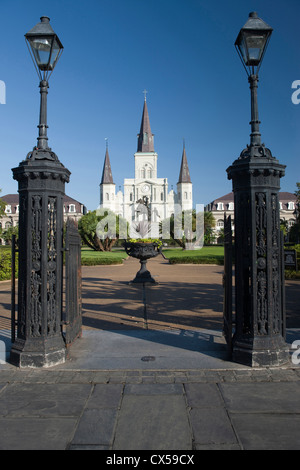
(72, 209)
(225, 204)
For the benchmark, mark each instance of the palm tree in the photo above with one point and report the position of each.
(209, 225)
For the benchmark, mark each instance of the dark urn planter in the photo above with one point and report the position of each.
(142, 251)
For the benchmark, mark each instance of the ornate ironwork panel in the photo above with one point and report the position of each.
(261, 264)
(73, 317)
(36, 267)
(51, 267)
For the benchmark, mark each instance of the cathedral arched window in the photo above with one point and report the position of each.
(185, 195)
(143, 173)
(106, 196)
(149, 173)
(161, 196)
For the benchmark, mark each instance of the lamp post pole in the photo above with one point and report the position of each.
(42, 138)
(259, 338)
(41, 184)
(255, 133)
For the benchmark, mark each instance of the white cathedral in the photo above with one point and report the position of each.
(146, 186)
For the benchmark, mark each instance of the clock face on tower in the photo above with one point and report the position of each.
(146, 188)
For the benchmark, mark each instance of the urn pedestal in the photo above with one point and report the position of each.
(143, 252)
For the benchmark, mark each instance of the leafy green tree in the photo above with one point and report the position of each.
(2, 206)
(284, 227)
(100, 229)
(294, 234)
(8, 233)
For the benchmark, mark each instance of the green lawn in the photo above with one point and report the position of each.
(207, 255)
(90, 257)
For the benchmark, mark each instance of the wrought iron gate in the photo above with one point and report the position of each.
(73, 313)
(227, 282)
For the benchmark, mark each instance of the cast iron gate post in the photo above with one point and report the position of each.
(259, 338)
(41, 181)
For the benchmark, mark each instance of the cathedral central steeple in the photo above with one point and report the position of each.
(184, 175)
(145, 137)
(107, 174)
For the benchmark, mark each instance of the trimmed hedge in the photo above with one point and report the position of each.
(5, 265)
(100, 261)
(289, 274)
(195, 260)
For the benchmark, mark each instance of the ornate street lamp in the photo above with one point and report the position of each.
(259, 338)
(251, 45)
(45, 46)
(41, 183)
(45, 49)
(252, 42)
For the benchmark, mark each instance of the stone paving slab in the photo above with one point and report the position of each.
(96, 427)
(149, 421)
(262, 397)
(32, 433)
(267, 431)
(212, 426)
(204, 395)
(43, 400)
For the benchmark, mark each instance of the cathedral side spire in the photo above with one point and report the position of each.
(145, 137)
(184, 175)
(107, 174)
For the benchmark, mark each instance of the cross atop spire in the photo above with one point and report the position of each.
(145, 94)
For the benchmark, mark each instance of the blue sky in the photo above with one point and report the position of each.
(182, 52)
